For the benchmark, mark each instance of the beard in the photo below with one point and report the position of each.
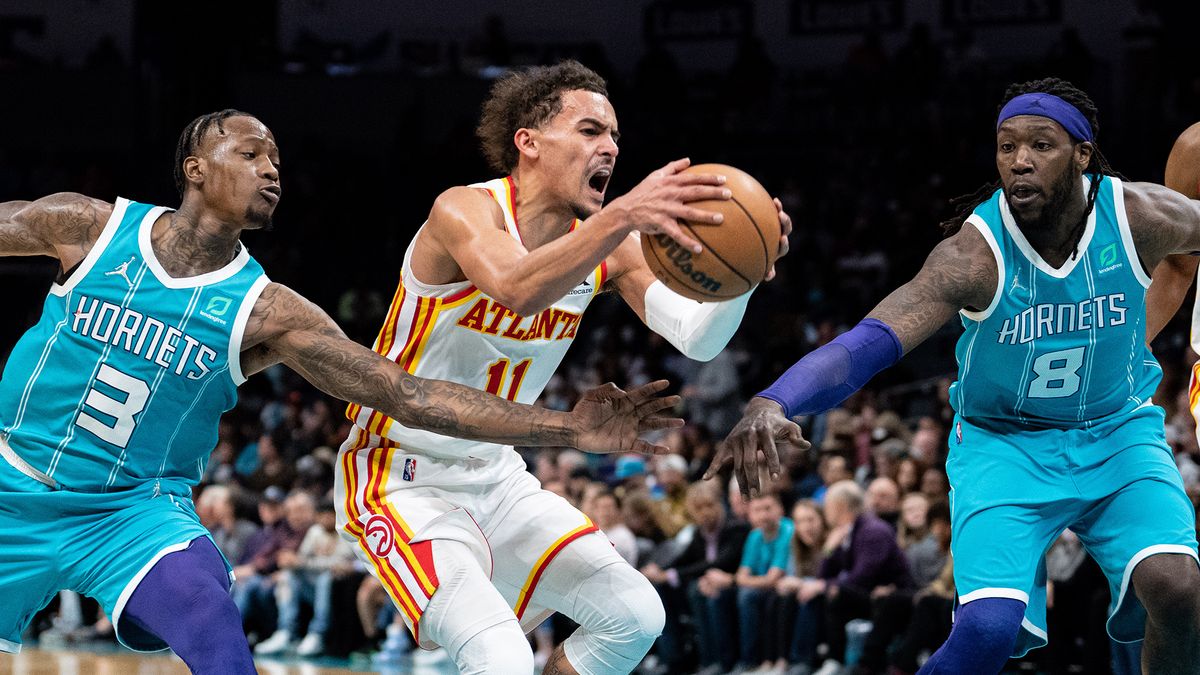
(259, 219)
(1056, 204)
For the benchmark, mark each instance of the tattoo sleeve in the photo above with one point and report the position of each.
(959, 273)
(64, 225)
(303, 337)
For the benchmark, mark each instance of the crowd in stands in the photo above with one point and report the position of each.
(844, 560)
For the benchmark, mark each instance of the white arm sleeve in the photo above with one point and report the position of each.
(700, 330)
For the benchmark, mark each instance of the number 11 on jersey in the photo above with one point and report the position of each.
(498, 372)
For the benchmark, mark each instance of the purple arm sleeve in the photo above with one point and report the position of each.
(828, 375)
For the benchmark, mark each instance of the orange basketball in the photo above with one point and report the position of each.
(737, 253)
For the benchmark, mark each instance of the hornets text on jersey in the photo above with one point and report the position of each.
(126, 374)
(1058, 347)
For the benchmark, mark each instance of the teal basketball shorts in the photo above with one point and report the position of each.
(98, 544)
(1013, 492)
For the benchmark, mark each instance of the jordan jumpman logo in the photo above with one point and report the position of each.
(123, 270)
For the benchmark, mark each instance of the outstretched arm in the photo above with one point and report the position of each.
(62, 225)
(960, 273)
(462, 238)
(286, 328)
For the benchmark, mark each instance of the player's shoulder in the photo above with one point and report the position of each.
(1147, 204)
(465, 205)
(965, 244)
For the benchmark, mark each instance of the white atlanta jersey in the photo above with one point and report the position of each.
(458, 333)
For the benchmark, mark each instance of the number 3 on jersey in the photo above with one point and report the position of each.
(498, 372)
(136, 392)
(1057, 373)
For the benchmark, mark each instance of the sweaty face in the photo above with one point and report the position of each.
(577, 149)
(241, 171)
(1039, 167)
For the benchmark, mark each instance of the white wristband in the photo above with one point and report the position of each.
(700, 330)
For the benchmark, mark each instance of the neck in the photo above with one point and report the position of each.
(771, 529)
(191, 241)
(541, 217)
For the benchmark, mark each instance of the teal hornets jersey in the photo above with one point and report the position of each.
(126, 374)
(1058, 347)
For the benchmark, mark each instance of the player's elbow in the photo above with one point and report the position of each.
(523, 300)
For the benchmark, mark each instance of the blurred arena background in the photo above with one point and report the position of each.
(864, 116)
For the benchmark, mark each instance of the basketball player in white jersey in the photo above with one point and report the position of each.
(492, 288)
(1174, 275)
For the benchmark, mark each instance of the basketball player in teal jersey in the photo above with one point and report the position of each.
(109, 405)
(1054, 427)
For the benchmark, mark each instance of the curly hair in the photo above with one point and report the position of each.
(1097, 166)
(193, 133)
(526, 99)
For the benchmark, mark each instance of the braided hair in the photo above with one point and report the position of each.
(193, 133)
(1096, 168)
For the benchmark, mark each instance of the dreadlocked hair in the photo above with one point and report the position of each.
(1096, 168)
(193, 133)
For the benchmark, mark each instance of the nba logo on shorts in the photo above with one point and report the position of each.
(410, 469)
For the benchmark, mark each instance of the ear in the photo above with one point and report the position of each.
(526, 141)
(194, 169)
(1083, 154)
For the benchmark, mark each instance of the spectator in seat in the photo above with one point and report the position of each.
(216, 511)
(892, 607)
(700, 578)
(253, 592)
(861, 556)
(764, 563)
(307, 575)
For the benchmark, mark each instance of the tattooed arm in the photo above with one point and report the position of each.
(62, 225)
(960, 273)
(286, 328)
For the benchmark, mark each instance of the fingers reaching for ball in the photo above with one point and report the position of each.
(785, 227)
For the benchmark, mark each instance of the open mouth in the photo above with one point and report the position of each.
(1023, 193)
(598, 181)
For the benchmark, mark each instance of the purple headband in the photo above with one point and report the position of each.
(1052, 107)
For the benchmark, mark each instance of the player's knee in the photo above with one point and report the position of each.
(649, 615)
(1169, 587)
(501, 649)
(641, 617)
(621, 616)
(989, 623)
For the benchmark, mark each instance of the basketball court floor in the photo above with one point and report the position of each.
(104, 660)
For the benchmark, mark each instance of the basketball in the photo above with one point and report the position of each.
(736, 255)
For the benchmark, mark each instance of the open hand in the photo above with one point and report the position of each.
(761, 429)
(609, 419)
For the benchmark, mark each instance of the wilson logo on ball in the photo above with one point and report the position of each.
(681, 258)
